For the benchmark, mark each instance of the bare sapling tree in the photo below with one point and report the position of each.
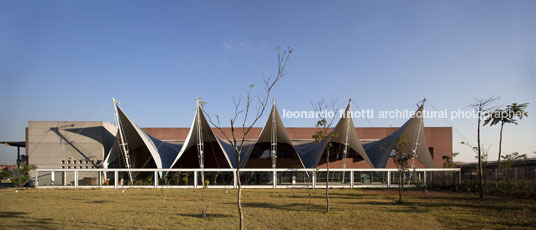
(311, 178)
(325, 134)
(481, 106)
(248, 109)
(401, 159)
(168, 178)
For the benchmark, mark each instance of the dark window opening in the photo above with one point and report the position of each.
(261, 156)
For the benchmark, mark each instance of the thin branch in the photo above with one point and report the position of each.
(244, 109)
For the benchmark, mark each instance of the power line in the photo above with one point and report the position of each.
(366, 118)
(450, 124)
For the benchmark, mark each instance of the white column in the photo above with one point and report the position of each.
(155, 179)
(351, 179)
(235, 179)
(388, 179)
(195, 179)
(64, 178)
(36, 179)
(52, 179)
(314, 179)
(76, 178)
(116, 179)
(424, 177)
(275, 179)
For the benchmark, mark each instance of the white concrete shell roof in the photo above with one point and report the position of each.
(144, 147)
(200, 123)
(312, 152)
(160, 152)
(281, 135)
(413, 132)
(347, 134)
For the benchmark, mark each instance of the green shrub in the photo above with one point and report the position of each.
(21, 175)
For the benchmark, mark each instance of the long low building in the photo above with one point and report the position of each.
(81, 144)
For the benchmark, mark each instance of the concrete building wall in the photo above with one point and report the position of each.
(68, 144)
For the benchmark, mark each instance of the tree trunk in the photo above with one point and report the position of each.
(400, 184)
(499, 157)
(480, 173)
(310, 196)
(327, 181)
(311, 188)
(240, 214)
(204, 213)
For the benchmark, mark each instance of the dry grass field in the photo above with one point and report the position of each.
(264, 209)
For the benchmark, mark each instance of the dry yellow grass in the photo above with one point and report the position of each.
(264, 209)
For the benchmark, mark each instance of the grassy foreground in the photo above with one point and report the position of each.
(264, 209)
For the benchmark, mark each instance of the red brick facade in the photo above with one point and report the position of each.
(439, 140)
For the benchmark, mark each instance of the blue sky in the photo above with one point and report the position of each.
(64, 60)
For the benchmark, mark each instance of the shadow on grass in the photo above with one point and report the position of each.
(470, 222)
(98, 202)
(334, 195)
(288, 207)
(42, 223)
(209, 215)
(461, 205)
(11, 214)
(455, 198)
(346, 195)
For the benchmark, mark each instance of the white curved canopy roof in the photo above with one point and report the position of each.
(139, 142)
(413, 132)
(200, 124)
(281, 136)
